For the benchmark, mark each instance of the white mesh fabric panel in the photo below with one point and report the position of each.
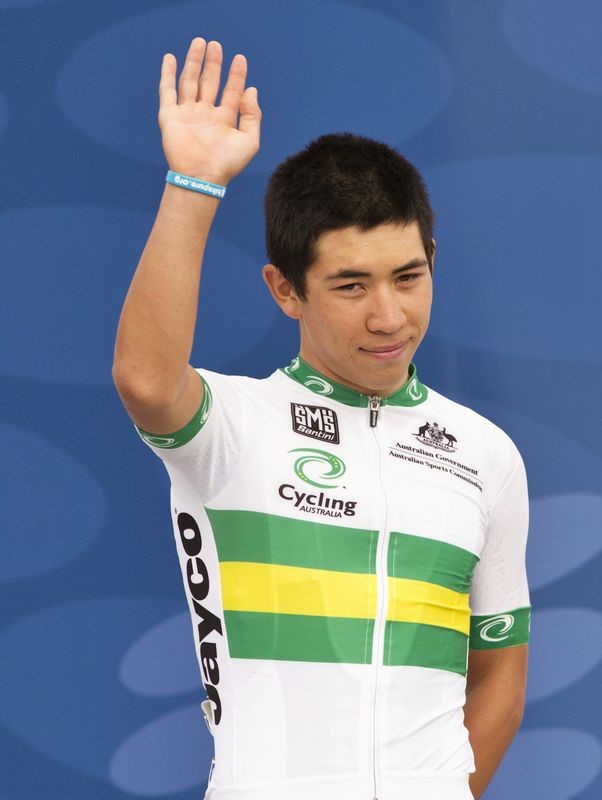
(209, 459)
(500, 578)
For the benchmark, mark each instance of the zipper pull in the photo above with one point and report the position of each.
(374, 406)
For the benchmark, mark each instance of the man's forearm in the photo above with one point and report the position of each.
(492, 717)
(156, 329)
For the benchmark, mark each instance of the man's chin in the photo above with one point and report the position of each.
(383, 381)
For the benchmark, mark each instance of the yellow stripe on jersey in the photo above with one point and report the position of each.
(279, 589)
(428, 604)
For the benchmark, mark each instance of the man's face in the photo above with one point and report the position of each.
(367, 307)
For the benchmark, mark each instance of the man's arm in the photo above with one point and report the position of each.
(213, 143)
(495, 699)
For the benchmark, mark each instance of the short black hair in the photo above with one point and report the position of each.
(337, 181)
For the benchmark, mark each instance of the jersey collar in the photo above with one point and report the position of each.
(412, 393)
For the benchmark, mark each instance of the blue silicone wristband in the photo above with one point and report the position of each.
(194, 184)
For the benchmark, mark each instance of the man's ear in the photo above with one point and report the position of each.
(433, 251)
(282, 291)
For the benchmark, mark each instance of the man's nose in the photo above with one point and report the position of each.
(386, 313)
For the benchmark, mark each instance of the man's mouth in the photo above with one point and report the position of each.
(385, 351)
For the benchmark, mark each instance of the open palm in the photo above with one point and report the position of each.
(201, 139)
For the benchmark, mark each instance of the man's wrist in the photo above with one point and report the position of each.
(196, 184)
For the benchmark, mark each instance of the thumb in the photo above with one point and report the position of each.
(250, 113)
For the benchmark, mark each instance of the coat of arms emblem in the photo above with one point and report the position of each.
(432, 434)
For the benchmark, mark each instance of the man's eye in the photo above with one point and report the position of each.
(348, 287)
(408, 278)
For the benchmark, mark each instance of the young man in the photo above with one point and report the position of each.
(344, 532)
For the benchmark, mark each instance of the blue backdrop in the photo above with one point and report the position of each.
(500, 104)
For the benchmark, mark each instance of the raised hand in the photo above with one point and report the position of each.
(201, 139)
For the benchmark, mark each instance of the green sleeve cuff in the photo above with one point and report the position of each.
(507, 629)
(169, 441)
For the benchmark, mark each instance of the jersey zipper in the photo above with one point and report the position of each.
(374, 405)
(382, 593)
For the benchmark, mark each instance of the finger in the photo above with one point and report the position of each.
(235, 85)
(250, 113)
(167, 84)
(189, 79)
(212, 70)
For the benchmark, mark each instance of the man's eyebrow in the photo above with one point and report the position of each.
(350, 272)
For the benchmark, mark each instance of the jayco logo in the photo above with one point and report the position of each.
(314, 466)
(197, 579)
(503, 623)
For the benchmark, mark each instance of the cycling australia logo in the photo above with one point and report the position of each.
(320, 469)
(496, 629)
(433, 435)
(317, 422)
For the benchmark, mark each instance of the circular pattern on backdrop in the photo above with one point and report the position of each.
(68, 285)
(346, 76)
(59, 675)
(143, 672)
(551, 554)
(49, 492)
(518, 251)
(552, 668)
(566, 47)
(169, 755)
(555, 763)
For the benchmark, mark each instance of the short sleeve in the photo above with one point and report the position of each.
(499, 599)
(205, 452)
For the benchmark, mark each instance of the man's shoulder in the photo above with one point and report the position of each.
(471, 420)
(242, 385)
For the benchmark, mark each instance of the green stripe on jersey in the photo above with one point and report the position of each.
(296, 637)
(270, 539)
(410, 644)
(507, 629)
(168, 441)
(421, 559)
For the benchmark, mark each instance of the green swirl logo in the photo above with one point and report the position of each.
(414, 391)
(503, 622)
(159, 441)
(319, 385)
(206, 405)
(321, 465)
(294, 365)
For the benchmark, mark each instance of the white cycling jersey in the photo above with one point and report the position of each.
(339, 554)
